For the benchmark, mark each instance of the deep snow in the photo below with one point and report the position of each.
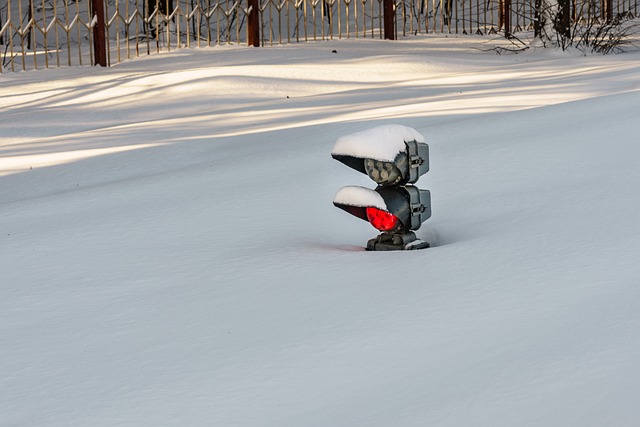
(170, 254)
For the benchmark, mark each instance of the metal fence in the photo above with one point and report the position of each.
(46, 33)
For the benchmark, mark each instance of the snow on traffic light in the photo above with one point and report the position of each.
(394, 157)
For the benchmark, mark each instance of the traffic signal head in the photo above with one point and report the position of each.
(389, 155)
(389, 209)
(394, 157)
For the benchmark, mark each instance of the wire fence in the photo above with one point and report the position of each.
(53, 33)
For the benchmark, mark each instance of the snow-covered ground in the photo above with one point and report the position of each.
(170, 254)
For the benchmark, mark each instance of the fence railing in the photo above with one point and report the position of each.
(46, 33)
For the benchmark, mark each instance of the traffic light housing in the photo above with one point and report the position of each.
(405, 168)
(395, 207)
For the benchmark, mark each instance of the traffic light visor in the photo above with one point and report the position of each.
(355, 200)
(389, 155)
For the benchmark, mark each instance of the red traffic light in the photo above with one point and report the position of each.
(382, 220)
(390, 209)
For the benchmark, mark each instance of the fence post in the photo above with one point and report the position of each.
(253, 23)
(563, 26)
(537, 18)
(30, 33)
(506, 11)
(99, 41)
(389, 19)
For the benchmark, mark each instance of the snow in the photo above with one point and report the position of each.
(170, 254)
(355, 195)
(379, 143)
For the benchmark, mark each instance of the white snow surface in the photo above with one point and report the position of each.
(170, 255)
(380, 142)
(355, 195)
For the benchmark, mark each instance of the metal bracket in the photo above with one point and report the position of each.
(396, 242)
(418, 208)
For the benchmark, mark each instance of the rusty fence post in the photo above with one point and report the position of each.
(99, 40)
(609, 11)
(253, 23)
(606, 10)
(507, 18)
(389, 19)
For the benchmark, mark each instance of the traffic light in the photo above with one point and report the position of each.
(394, 157)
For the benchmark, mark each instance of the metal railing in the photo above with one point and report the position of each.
(46, 33)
